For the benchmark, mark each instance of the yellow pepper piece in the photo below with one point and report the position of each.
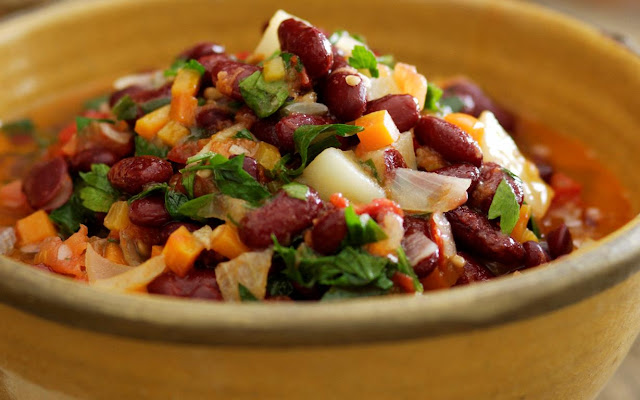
(183, 109)
(118, 216)
(150, 124)
(411, 82)
(172, 133)
(273, 70)
(187, 83)
(267, 155)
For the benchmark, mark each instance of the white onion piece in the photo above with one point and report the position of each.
(7, 240)
(392, 226)
(404, 145)
(146, 80)
(130, 249)
(306, 108)
(421, 191)
(204, 236)
(114, 135)
(99, 267)
(224, 207)
(136, 278)
(443, 228)
(418, 247)
(31, 248)
(250, 269)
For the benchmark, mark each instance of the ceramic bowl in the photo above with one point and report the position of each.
(557, 332)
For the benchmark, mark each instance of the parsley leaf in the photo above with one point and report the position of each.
(245, 294)
(264, 98)
(173, 202)
(505, 205)
(189, 181)
(179, 205)
(69, 216)
(83, 122)
(533, 226)
(339, 293)
(371, 166)
(434, 93)
(296, 190)
(361, 58)
(279, 285)
(148, 191)
(154, 104)
(95, 103)
(125, 108)
(454, 103)
(98, 194)
(146, 148)
(244, 134)
(18, 127)
(405, 268)
(361, 229)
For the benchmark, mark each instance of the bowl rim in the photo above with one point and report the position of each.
(565, 282)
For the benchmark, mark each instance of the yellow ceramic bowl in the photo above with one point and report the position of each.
(554, 333)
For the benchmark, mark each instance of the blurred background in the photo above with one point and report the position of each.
(619, 18)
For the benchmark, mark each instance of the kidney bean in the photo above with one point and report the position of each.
(338, 59)
(118, 94)
(328, 231)
(416, 224)
(282, 216)
(226, 76)
(426, 266)
(403, 109)
(265, 130)
(454, 144)
(473, 271)
(534, 254)
(48, 185)
(214, 118)
(476, 101)
(131, 174)
(466, 171)
(181, 152)
(308, 43)
(144, 95)
(545, 170)
(201, 49)
(83, 160)
(345, 95)
(209, 259)
(393, 159)
(149, 211)
(167, 229)
(246, 116)
(560, 241)
(285, 128)
(198, 283)
(491, 174)
(476, 233)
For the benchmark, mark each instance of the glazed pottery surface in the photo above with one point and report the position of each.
(557, 332)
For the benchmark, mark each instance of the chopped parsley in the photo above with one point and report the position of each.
(505, 205)
(296, 190)
(244, 134)
(125, 108)
(96, 102)
(361, 229)
(147, 148)
(264, 98)
(434, 93)
(182, 63)
(245, 294)
(83, 122)
(97, 194)
(154, 104)
(361, 58)
(69, 216)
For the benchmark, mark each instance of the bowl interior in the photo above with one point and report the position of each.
(537, 63)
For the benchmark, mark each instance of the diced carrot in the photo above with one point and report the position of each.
(113, 252)
(379, 130)
(35, 228)
(172, 133)
(225, 240)
(411, 82)
(118, 216)
(267, 155)
(521, 224)
(65, 257)
(156, 250)
(404, 282)
(183, 109)
(467, 123)
(187, 83)
(181, 251)
(150, 124)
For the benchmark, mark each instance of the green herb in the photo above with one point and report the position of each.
(340, 293)
(511, 174)
(505, 205)
(337, 35)
(361, 229)
(371, 166)
(279, 285)
(96, 102)
(201, 101)
(194, 64)
(148, 191)
(69, 216)
(98, 194)
(434, 93)
(152, 105)
(454, 103)
(188, 181)
(83, 122)
(18, 127)
(173, 202)
(387, 59)
(244, 134)
(245, 294)
(264, 98)
(405, 268)
(533, 226)
(147, 148)
(180, 63)
(125, 108)
(231, 179)
(296, 190)
(361, 58)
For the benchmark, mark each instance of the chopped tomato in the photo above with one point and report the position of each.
(566, 189)
(66, 257)
(379, 207)
(339, 201)
(403, 282)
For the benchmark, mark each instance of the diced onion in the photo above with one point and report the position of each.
(418, 247)
(427, 191)
(7, 240)
(136, 278)
(130, 249)
(145, 79)
(306, 108)
(204, 236)
(392, 226)
(249, 269)
(99, 267)
(119, 137)
(445, 236)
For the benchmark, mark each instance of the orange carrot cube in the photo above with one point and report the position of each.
(225, 240)
(181, 251)
(183, 109)
(379, 131)
(150, 124)
(35, 228)
(187, 83)
(409, 81)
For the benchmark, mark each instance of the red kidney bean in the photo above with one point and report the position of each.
(214, 118)
(282, 216)
(246, 116)
(403, 109)
(454, 144)
(201, 186)
(145, 95)
(338, 59)
(181, 152)
(48, 185)
(474, 232)
(426, 266)
(227, 74)
(265, 130)
(83, 160)
(393, 159)
(534, 254)
(201, 49)
(476, 101)
(560, 241)
(473, 271)
(416, 224)
(149, 211)
(251, 166)
(308, 43)
(131, 174)
(167, 229)
(198, 283)
(209, 259)
(545, 170)
(328, 231)
(491, 174)
(118, 94)
(345, 95)
(285, 128)
(466, 171)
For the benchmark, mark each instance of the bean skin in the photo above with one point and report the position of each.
(181, 152)
(265, 130)
(474, 232)
(149, 211)
(167, 229)
(82, 161)
(421, 225)
(283, 216)
(345, 95)
(227, 74)
(285, 128)
(491, 174)
(201, 49)
(560, 241)
(308, 43)
(466, 171)
(329, 231)
(48, 185)
(403, 109)
(473, 271)
(454, 144)
(214, 118)
(131, 174)
(534, 254)
(198, 283)
(392, 160)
